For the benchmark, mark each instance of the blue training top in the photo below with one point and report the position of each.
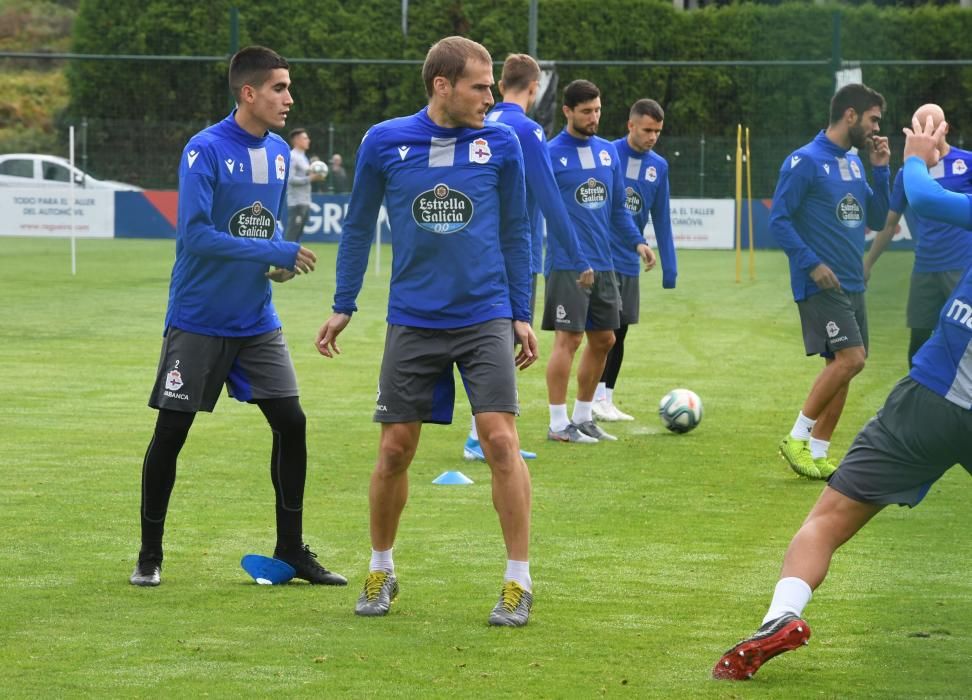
(944, 362)
(232, 195)
(591, 184)
(456, 201)
(939, 246)
(821, 204)
(646, 192)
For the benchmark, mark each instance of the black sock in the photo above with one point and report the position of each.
(288, 466)
(612, 367)
(158, 475)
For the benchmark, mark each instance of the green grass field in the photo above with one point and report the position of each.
(650, 555)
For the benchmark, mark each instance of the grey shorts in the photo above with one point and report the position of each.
(927, 295)
(833, 320)
(915, 438)
(417, 382)
(296, 220)
(568, 307)
(533, 298)
(193, 369)
(630, 289)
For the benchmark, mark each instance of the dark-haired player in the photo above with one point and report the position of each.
(220, 326)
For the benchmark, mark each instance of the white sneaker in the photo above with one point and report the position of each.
(604, 411)
(619, 414)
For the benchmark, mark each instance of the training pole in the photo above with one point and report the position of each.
(74, 252)
(739, 203)
(749, 204)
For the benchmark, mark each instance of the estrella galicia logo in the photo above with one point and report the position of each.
(592, 194)
(253, 221)
(632, 200)
(850, 212)
(442, 210)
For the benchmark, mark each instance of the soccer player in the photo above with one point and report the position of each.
(460, 294)
(924, 428)
(299, 180)
(646, 191)
(591, 184)
(221, 325)
(518, 86)
(819, 211)
(942, 251)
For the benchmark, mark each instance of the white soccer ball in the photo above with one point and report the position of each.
(680, 410)
(319, 167)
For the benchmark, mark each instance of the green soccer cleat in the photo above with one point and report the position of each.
(797, 455)
(826, 466)
(380, 589)
(513, 607)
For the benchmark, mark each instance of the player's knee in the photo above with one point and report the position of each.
(568, 342)
(173, 426)
(285, 416)
(394, 455)
(852, 361)
(500, 445)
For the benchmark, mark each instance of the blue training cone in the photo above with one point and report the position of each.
(267, 571)
(452, 478)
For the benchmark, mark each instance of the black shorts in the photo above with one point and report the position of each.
(193, 368)
(630, 289)
(927, 295)
(417, 383)
(569, 307)
(915, 438)
(833, 320)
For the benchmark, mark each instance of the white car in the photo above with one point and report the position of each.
(35, 170)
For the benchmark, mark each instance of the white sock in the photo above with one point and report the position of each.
(818, 448)
(791, 596)
(382, 561)
(582, 412)
(519, 571)
(600, 394)
(558, 417)
(802, 427)
(609, 395)
(473, 433)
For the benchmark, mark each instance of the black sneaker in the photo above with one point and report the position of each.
(148, 570)
(305, 564)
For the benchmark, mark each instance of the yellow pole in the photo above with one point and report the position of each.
(738, 202)
(749, 198)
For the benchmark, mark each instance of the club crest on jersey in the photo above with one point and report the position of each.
(479, 151)
(254, 221)
(850, 212)
(173, 380)
(281, 166)
(632, 200)
(592, 194)
(442, 210)
(959, 167)
(605, 158)
(855, 168)
(651, 174)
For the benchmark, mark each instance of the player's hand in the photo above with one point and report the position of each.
(922, 140)
(879, 151)
(305, 261)
(328, 333)
(280, 274)
(527, 339)
(586, 279)
(824, 277)
(868, 264)
(647, 256)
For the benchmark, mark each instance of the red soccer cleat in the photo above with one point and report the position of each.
(740, 663)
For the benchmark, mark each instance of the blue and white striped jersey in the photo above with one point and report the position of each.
(232, 193)
(456, 202)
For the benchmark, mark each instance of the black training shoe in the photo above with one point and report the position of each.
(148, 570)
(305, 564)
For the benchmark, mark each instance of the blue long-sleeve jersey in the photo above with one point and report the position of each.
(543, 197)
(591, 184)
(232, 193)
(646, 193)
(820, 207)
(939, 246)
(944, 362)
(456, 200)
